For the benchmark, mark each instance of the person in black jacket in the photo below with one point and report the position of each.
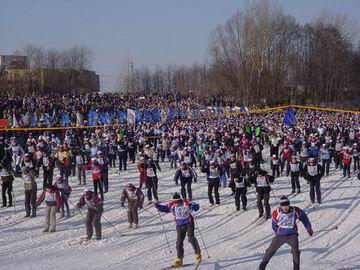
(234, 168)
(295, 169)
(6, 184)
(186, 175)
(122, 150)
(152, 180)
(313, 173)
(132, 149)
(262, 183)
(241, 184)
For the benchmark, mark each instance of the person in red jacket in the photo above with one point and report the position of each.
(142, 166)
(52, 199)
(346, 157)
(285, 157)
(96, 174)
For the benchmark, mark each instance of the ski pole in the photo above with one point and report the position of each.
(202, 239)
(14, 199)
(112, 225)
(274, 196)
(327, 230)
(78, 210)
(162, 225)
(146, 210)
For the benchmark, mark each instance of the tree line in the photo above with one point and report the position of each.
(263, 54)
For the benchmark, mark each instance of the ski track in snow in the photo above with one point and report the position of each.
(233, 240)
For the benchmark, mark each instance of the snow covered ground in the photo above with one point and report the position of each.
(233, 241)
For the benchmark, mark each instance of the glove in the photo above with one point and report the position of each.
(310, 232)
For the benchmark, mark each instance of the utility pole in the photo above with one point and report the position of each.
(132, 77)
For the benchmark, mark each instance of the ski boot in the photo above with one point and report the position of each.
(130, 226)
(177, 262)
(198, 258)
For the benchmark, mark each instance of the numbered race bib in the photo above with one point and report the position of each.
(239, 184)
(295, 167)
(286, 220)
(312, 170)
(131, 195)
(150, 172)
(185, 173)
(233, 165)
(261, 181)
(181, 212)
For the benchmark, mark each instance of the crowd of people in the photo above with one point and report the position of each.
(228, 151)
(47, 110)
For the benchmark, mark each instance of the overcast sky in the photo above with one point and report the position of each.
(151, 32)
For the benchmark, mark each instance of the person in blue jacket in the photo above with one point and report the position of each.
(284, 225)
(181, 209)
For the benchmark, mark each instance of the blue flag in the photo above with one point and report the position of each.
(289, 118)
(148, 117)
(65, 119)
(156, 115)
(92, 118)
(122, 116)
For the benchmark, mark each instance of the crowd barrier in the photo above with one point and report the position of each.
(229, 114)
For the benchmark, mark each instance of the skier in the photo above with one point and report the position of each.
(285, 158)
(262, 183)
(65, 190)
(52, 201)
(284, 225)
(181, 209)
(135, 199)
(275, 165)
(81, 173)
(48, 166)
(346, 157)
(234, 168)
(186, 174)
(152, 181)
(93, 216)
(6, 184)
(241, 184)
(97, 176)
(213, 178)
(295, 169)
(30, 187)
(62, 158)
(325, 157)
(142, 170)
(122, 151)
(313, 173)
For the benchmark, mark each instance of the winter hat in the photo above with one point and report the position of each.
(284, 201)
(86, 190)
(176, 196)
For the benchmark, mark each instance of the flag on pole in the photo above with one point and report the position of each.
(289, 118)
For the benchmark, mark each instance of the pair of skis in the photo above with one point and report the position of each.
(196, 265)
